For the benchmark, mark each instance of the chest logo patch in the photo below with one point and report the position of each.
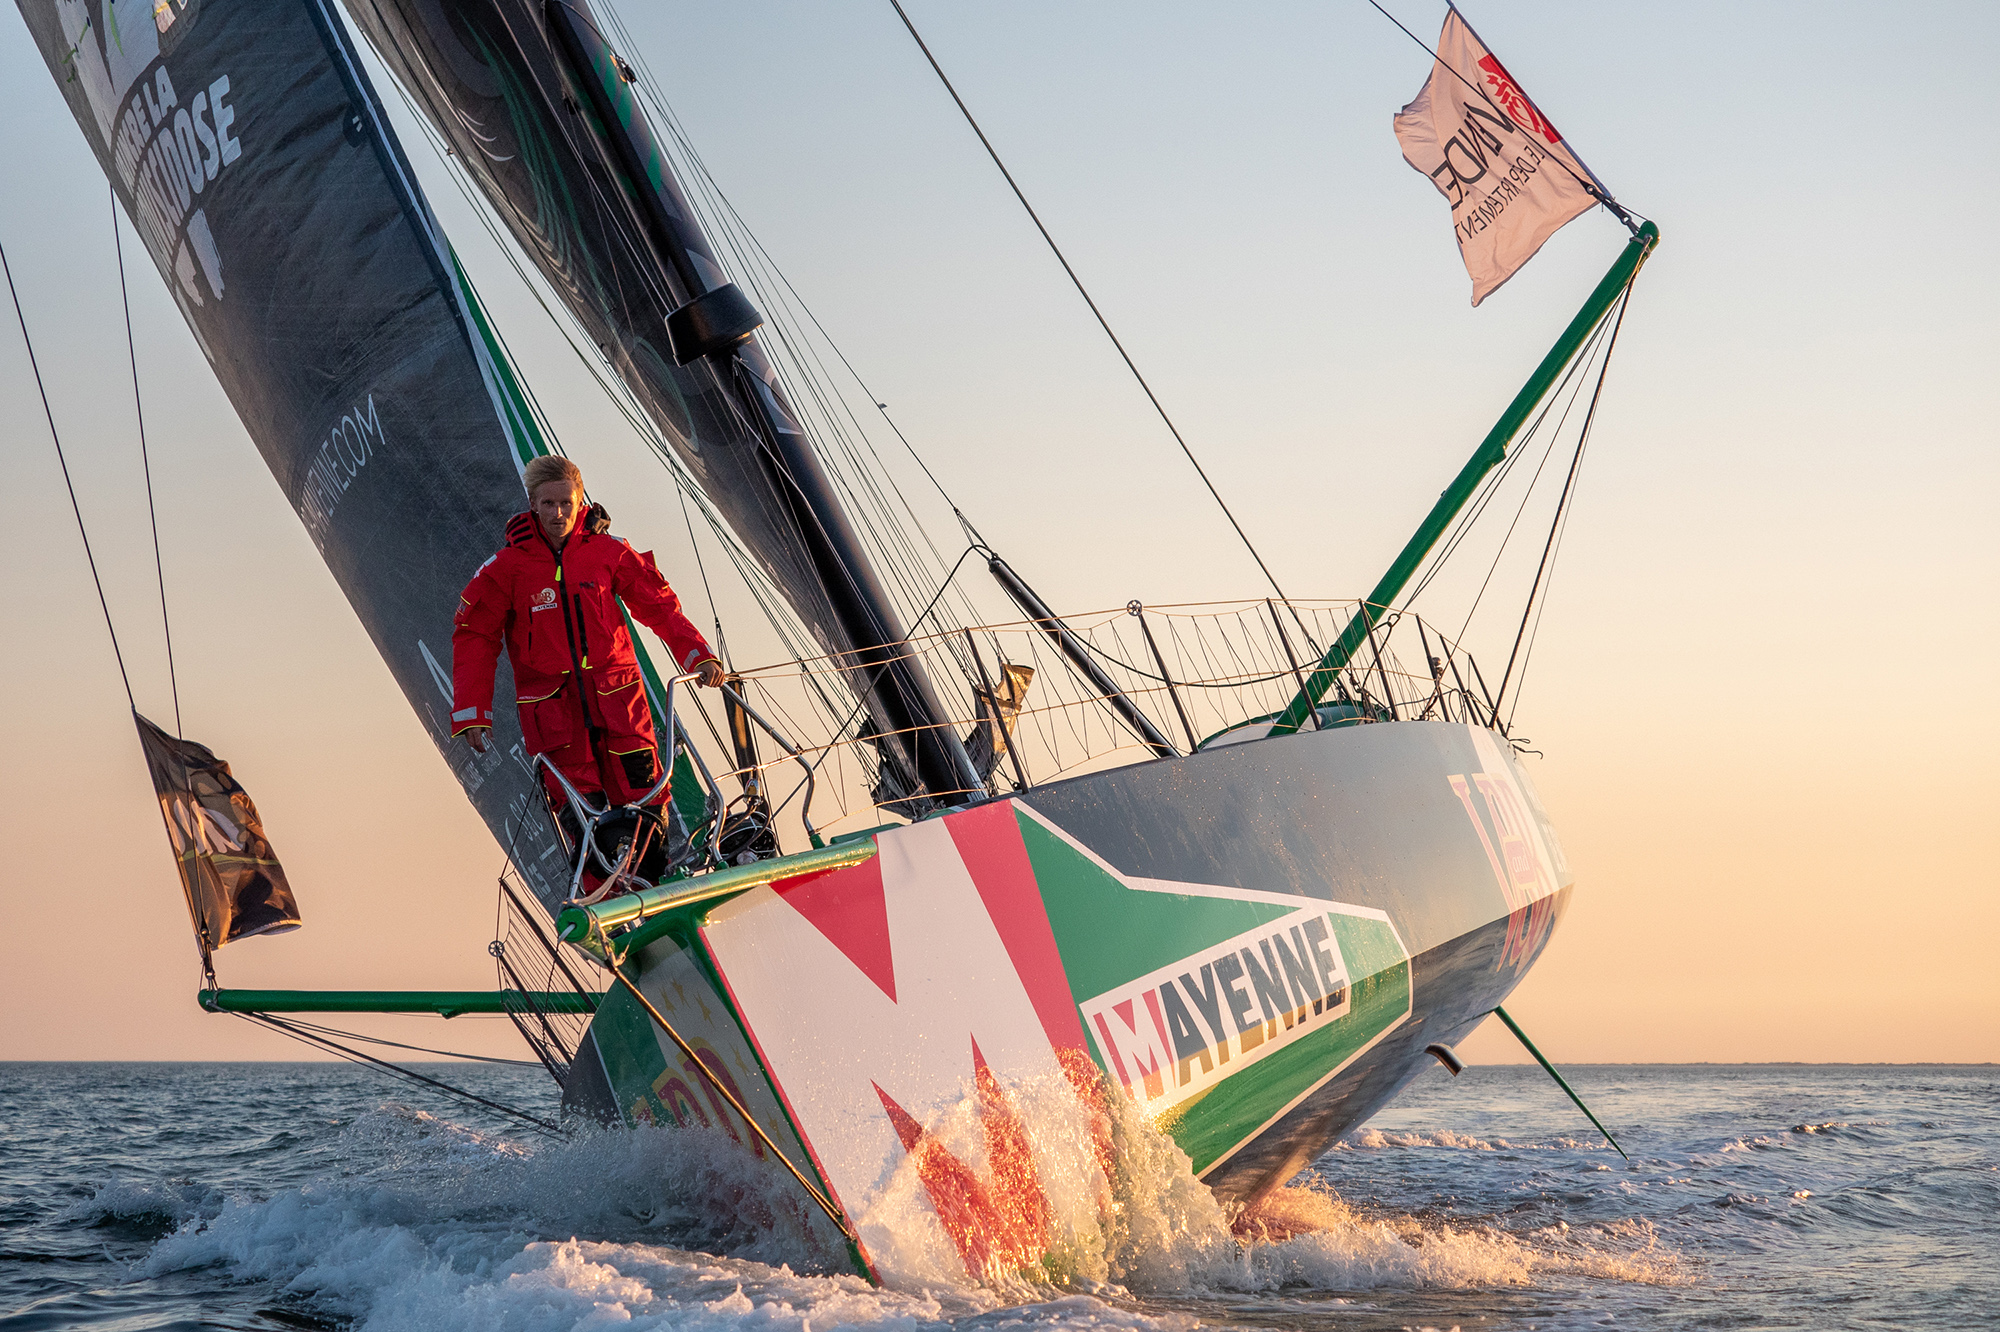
(545, 599)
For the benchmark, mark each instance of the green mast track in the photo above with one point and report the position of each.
(1488, 456)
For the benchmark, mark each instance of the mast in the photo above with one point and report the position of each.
(539, 112)
(1489, 454)
(714, 322)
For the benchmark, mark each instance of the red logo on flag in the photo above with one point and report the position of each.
(1515, 102)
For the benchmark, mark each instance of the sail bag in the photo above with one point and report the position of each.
(235, 886)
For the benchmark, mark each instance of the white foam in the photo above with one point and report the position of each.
(1369, 1138)
(1163, 1233)
(428, 1225)
(432, 1226)
(174, 1201)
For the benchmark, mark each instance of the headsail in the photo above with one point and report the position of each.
(251, 152)
(537, 107)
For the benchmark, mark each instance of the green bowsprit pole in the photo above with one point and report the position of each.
(444, 1003)
(1491, 451)
(1522, 1036)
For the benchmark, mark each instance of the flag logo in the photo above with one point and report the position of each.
(1511, 180)
(1515, 102)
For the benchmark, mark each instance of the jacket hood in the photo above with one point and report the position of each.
(523, 530)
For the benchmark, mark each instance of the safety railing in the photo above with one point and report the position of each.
(533, 974)
(638, 822)
(1035, 701)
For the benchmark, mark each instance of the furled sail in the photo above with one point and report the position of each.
(244, 140)
(537, 107)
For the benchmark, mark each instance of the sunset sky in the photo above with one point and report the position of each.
(1764, 686)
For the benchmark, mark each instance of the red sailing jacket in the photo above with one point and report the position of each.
(558, 614)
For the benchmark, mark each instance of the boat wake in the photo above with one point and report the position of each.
(411, 1221)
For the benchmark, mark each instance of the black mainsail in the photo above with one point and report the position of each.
(538, 108)
(248, 147)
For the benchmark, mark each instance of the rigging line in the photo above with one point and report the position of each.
(649, 87)
(1124, 665)
(722, 1089)
(1490, 490)
(862, 692)
(752, 258)
(456, 172)
(644, 428)
(706, 592)
(507, 861)
(722, 206)
(1527, 493)
(615, 390)
(1555, 437)
(864, 499)
(1569, 487)
(620, 396)
(357, 1056)
(622, 224)
(1534, 635)
(145, 462)
(856, 481)
(1594, 187)
(1081, 291)
(419, 1049)
(70, 485)
(1463, 526)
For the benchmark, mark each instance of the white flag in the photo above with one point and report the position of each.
(1511, 179)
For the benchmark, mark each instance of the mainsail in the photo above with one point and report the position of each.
(538, 108)
(250, 151)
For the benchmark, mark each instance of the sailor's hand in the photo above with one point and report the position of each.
(479, 737)
(709, 673)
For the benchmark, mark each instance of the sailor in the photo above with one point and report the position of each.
(552, 594)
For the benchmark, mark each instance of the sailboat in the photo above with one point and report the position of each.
(1240, 872)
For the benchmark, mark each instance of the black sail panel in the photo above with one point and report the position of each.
(245, 142)
(519, 90)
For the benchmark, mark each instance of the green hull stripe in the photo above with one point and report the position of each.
(524, 436)
(1108, 933)
(1214, 1125)
(633, 1060)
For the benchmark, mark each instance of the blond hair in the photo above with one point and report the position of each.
(551, 467)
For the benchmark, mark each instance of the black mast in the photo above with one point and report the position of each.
(713, 321)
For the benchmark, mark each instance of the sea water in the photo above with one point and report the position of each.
(325, 1196)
